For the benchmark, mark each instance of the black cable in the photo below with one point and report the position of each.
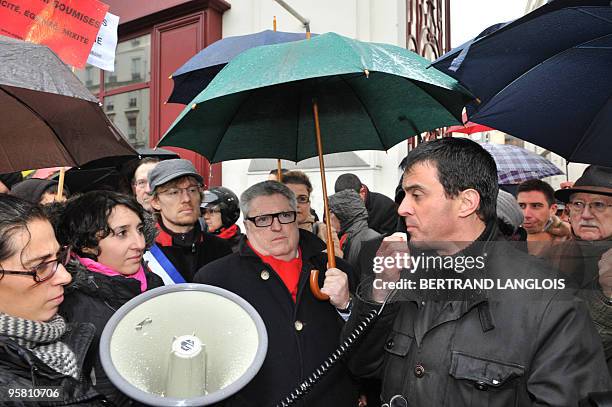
(326, 366)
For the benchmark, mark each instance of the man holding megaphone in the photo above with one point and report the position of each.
(271, 271)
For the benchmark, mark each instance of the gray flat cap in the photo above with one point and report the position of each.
(168, 170)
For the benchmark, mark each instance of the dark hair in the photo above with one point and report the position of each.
(348, 181)
(538, 185)
(15, 214)
(299, 178)
(275, 171)
(84, 220)
(461, 164)
(146, 160)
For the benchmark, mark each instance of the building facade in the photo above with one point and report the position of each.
(155, 38)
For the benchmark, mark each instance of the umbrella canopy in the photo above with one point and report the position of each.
(545, 78)
(191, 78)
(516, 164)
(468, 127)
(111, 172)
(370, 96)
(48, 116)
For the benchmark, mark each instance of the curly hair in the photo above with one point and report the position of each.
(84, 220)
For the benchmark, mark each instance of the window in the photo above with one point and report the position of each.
(136, 75)
(131, 63)
(132, 129)
(124, 93)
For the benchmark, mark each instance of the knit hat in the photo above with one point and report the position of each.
(168, 170)
(32, 189)
(508, 210)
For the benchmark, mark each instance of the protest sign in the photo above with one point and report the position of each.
(102, 53)
(68, 27)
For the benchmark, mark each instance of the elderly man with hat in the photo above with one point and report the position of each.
(590, 253)
(181, 247)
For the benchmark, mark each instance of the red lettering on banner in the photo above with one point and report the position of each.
(68, 27)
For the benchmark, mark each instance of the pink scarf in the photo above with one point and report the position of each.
(94, 266)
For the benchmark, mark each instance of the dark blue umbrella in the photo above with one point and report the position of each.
(191, 78)
(545, 78)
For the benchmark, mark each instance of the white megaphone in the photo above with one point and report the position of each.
(183, 345)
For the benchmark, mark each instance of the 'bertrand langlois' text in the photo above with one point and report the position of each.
(470, 284)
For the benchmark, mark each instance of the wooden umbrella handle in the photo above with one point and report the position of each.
(314, 286)
(331, 256)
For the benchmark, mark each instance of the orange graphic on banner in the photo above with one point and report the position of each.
(68, 27)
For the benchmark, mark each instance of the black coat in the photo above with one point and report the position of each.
(382, 213)
(292, 354)
(19, 368)
(93, 297)
(199, 249)
(514, 349)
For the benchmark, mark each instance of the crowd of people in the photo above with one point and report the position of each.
(68, 264)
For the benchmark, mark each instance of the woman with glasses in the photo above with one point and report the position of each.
(108, 233)
(41, 355)
(220, 210)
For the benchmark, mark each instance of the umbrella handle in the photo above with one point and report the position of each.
(314, 286)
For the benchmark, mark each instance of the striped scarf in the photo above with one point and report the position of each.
(42, 339)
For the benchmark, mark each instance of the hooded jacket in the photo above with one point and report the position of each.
(353, 216)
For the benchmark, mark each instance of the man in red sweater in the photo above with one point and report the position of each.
(271, 271)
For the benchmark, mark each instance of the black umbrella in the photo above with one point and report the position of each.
(545, 78)
(47, 116)
(112, 173)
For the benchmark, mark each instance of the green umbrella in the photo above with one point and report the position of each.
(370, 96)
(275, 101)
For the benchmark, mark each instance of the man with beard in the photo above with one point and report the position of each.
(491, 347)
(181, 247)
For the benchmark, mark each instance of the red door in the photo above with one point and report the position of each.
(174, 42)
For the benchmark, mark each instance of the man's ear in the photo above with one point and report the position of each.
(469, 202)
(155, 203)
(553, 209)
(363, 193)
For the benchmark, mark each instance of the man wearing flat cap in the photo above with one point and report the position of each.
(590, 214)
(181, 247)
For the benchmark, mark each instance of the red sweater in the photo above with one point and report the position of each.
(288, 271)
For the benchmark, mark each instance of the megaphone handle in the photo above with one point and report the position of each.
(326, 366)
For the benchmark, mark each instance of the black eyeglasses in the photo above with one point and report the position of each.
(44, 270)
(263, 221)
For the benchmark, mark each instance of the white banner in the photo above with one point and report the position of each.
(102, 53)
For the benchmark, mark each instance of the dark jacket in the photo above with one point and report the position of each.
(189, 252)
(93, 297)
(300, 335)
(353, 216)
(507, 348)
(577, 259)
(19, 368)
(382, 213)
